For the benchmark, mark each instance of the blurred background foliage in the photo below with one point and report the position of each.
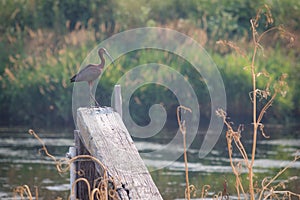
(43, 43)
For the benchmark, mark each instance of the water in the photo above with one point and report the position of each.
(22, 164)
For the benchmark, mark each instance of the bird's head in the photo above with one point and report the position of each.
(102, 51)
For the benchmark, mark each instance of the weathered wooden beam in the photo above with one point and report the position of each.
(73, 168)
(118, 99)
(105, 136)
(84, 169)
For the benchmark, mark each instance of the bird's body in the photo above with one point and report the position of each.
(91, 72)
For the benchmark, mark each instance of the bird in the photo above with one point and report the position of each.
(91, 72)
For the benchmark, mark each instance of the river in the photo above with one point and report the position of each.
(22, 164)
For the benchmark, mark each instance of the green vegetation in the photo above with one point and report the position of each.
(265, 89)
(44, 42)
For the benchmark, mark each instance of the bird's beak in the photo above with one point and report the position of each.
(109, 56)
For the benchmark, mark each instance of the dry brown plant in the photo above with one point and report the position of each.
(271, 90)
(99, 190)
(24, 192)
(182, 128)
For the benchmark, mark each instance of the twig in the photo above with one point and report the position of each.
(264, 187)
(183, 131)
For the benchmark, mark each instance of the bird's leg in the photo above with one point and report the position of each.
(92, 98)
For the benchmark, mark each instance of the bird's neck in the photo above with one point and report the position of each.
(102, 61)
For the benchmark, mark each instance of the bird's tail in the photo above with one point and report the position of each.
(73, 79)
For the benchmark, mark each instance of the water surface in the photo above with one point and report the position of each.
(21, 163)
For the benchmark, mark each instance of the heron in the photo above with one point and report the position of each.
(91, 72)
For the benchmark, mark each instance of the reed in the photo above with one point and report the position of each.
(101, 188)
(262, 98)
(182, 128)
(269, 93)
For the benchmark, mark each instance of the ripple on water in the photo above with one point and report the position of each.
(282, 142)
(62, 187)
(269, 163)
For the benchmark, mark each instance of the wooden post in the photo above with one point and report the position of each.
(71, 154)
(118, 99)
(84, 168)
(106, 138)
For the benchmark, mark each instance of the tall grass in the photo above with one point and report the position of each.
(182, 127)
(36, 80)
(105, 187)
(261, 99)
(265, 90)
(40, 53)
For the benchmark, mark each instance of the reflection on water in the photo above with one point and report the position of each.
(21, 163)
